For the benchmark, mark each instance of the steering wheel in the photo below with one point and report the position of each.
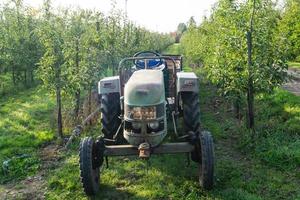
(151, 63)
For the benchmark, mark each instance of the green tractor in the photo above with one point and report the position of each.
(137, 107)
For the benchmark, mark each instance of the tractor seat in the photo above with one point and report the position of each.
(151, 64)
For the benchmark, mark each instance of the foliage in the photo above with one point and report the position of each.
(289, 29)
(20, 49)
(68, 49)
(181, 28)
(220, 45)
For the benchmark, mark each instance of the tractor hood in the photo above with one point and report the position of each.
(145, 88)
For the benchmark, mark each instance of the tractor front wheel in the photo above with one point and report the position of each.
(90, 160)
(204, 155)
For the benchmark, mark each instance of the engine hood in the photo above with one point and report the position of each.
(145, 88)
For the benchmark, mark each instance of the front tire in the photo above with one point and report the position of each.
(89, 167)
(204, 155)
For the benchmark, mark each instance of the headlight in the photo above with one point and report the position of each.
(136, 125)
(153, 125)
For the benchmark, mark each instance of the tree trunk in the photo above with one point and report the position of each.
(77, 93)
(113, 65)
(59, 115)
(25, 78)
(31, 77)
(90, 103)
(237, 108)
(250, 92)
(77, 104)
(13, 75)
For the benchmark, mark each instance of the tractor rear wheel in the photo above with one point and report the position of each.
(191, 111)
(110, 112)
(204, 155)
(90, 162)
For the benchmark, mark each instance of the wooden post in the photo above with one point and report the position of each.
(59, 115)
(250, 91)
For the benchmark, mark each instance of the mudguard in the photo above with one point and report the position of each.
(109, 85)
(187, 82)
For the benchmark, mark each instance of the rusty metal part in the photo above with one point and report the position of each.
(144, 150)
(168, 148)
(114, 139)
(79, 128)
(174, 123)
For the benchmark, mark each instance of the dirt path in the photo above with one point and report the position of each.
(293, 85)
(33, 187)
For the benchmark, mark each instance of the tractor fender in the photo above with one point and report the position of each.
(109, 85)
(187, 82)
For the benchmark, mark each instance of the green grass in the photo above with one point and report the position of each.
(5, 84)
(294, 64)
(24, 127)
(174, 49)
(279, 129)
(267, 167)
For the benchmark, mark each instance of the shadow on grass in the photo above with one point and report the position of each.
(166, 177)
(24, 127)
(113, 193)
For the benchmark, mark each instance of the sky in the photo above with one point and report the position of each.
(155, 15)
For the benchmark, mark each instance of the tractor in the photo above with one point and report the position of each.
(139, 108)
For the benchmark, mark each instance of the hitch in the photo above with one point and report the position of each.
(144, 150)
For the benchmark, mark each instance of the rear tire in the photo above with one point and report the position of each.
(191, 111)
(110, 112)
(89, 170)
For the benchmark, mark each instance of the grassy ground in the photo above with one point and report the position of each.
(264, 168)
(173, 49)
(24, 127)
(294, 64)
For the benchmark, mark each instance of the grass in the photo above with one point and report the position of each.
(279, 128)
(265, 168)
(24, 127)
(174, 49)
(294, 64)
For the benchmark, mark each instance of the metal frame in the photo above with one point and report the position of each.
(176, 57)
(167, 148)
(121, 67)
(163, 148)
